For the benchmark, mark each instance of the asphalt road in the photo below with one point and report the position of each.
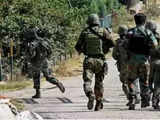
(72, 104)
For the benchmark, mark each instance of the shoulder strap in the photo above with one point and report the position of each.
(96, 33)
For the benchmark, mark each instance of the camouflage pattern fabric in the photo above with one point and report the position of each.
(47, 72)
(156, 90)
(107, 41)
(120, 54)
(93, 66)
(141, 71)
(37, 56)
(94, 63)
(138, 67)
(152, 59)
(155, 78)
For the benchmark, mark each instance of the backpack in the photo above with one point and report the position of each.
(139, 42)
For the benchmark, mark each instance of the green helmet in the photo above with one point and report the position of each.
(151, 25)
(93, 19)
(122, 30)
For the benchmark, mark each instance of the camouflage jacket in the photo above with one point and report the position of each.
(38, 51)
(120, 50)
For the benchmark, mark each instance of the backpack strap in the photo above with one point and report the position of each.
(96, 33)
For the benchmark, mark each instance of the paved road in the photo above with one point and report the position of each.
(72, 104)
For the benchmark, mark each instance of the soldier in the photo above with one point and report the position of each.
(94, 42)
(37, 52)
(154, 67)
(151, 25)
(155, 78)
(120, 54)
(141, 40)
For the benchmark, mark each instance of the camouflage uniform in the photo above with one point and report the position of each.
(38, 51)
(155, 78)
(153, 27)
(120, 54)
(91, 45)
(138, 64)
(154, 67)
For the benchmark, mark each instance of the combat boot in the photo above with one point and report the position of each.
(137, 101)
(60, 86)
(156, 107)
(131, 107)
(38, 94)
(145, 102)
(132, 101)
(155, 104)
(90, 103)
(99, 105)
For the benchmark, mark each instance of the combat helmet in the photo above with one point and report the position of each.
(93, 19)
(151, 25)
(122, 30)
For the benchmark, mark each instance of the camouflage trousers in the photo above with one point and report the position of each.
(156, 83)
(42, 67)
(151, 74)
(124, 78)
(140, 71)
(93, 66)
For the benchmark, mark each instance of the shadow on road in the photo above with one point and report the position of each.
(29, 101)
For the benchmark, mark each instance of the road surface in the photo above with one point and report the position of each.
(55, 105)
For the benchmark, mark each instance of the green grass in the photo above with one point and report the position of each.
(15, 85)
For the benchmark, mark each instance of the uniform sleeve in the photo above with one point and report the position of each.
(80, 43)
(154, 40)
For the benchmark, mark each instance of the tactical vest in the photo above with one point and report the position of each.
(93, 44)
(139, 43)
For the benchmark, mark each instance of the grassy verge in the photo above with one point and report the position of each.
(18, 103)
(15, 85)
(71, 67)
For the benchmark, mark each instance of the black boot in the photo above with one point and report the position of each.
(60, 86)
(90, 103)
(132, 101)
(155, 104)
(57, 83)
(145, 102)
(38, 94)
(99, 105)
(131, 107)
(156, 107)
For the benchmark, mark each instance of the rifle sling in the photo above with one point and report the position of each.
(95, 33)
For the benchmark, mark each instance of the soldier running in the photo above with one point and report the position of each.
(94, 42)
